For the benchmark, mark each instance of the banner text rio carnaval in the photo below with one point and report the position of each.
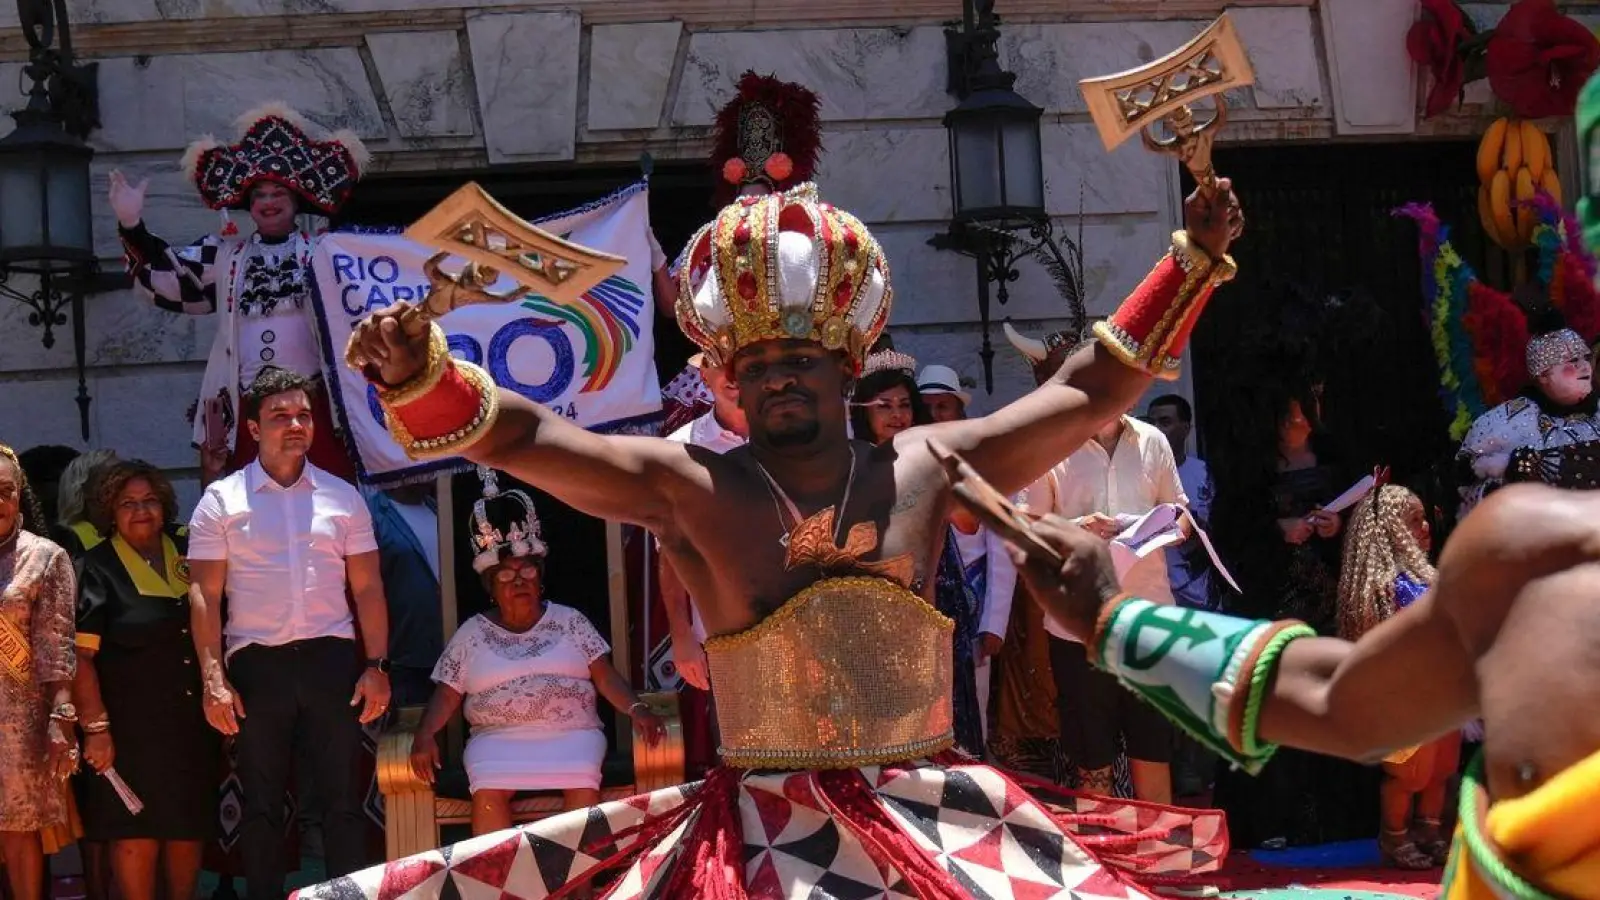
(370, 283)
(591, 361)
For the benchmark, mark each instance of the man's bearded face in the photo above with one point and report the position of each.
(787, 389)
(1569, 382)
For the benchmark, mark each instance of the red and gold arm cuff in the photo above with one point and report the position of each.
(445, 409)
(1151, 328)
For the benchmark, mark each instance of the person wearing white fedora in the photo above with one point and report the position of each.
(941, 389)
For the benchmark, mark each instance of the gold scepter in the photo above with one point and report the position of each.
(494, 241)
(1161, 93)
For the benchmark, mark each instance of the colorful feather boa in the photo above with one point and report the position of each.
(1479, 334)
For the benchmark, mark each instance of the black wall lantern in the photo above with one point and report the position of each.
(46, 222)
(996, 171)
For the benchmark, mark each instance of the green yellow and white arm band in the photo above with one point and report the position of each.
(1205, 671)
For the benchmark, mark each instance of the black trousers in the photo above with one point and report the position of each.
(1094, 710)
(297, 706)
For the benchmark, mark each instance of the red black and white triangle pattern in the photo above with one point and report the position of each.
(957, 829)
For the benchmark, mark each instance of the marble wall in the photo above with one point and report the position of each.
(441, 87)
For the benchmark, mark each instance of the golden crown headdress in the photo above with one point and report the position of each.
(781, 266)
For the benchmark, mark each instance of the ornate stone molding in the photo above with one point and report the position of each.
(301, 32)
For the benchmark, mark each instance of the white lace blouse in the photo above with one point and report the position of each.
(539, 677)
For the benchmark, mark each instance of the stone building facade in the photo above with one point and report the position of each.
(451, 86)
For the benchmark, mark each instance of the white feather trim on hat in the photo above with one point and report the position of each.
(358, 150)
(190, 162)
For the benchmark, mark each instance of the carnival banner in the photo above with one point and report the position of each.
(592, 361)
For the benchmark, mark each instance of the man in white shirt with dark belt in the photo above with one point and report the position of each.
(284, 539)
(1127, 470)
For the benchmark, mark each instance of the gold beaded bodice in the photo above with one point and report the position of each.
(852, 671)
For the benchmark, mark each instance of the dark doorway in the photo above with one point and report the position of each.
(1320, 222)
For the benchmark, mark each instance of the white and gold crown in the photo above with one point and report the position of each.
(783, 266)
(503, 525)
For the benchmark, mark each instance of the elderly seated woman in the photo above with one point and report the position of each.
(527, 673)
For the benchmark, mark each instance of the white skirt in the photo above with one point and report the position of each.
(530, 758)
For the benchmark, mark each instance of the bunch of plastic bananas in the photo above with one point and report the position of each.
(1514, 162)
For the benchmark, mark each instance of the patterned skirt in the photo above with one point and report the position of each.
(938, 829)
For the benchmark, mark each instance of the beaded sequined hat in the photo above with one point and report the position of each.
(784, 265)
(276, 144)
(503, 525)
(1546, 351)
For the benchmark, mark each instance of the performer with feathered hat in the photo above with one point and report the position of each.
(766, 138)
(280, 167)
(1516, 367)
(810, 557)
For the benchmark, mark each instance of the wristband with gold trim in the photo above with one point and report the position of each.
(1151, 328)
(445, 409)
(1205, 671)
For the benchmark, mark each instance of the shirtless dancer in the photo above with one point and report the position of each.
(811, 691)
(1509, 633)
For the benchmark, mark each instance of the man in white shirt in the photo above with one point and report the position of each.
(283, 539)
(1127, 470)
(718, 430)
(984, 558)
(1189, 571)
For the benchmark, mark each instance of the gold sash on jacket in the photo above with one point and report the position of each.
(16, 653)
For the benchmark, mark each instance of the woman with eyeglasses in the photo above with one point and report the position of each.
(138, 690)
(526, 673)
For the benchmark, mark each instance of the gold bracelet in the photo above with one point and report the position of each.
(424, 381)
(1191, 257)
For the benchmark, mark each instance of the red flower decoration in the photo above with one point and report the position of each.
(1434, 42)
(779, 167)
(733, 171)
(1538, 59)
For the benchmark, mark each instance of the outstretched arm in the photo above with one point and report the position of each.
(1141, 341)
(439, 406)
(1342, 698)
(1405, 682)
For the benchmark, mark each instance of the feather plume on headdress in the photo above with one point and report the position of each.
(1481, 336)
(770, 132)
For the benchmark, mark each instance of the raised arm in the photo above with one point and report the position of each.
(1141, 341)
(180, 280)
(439, 406)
